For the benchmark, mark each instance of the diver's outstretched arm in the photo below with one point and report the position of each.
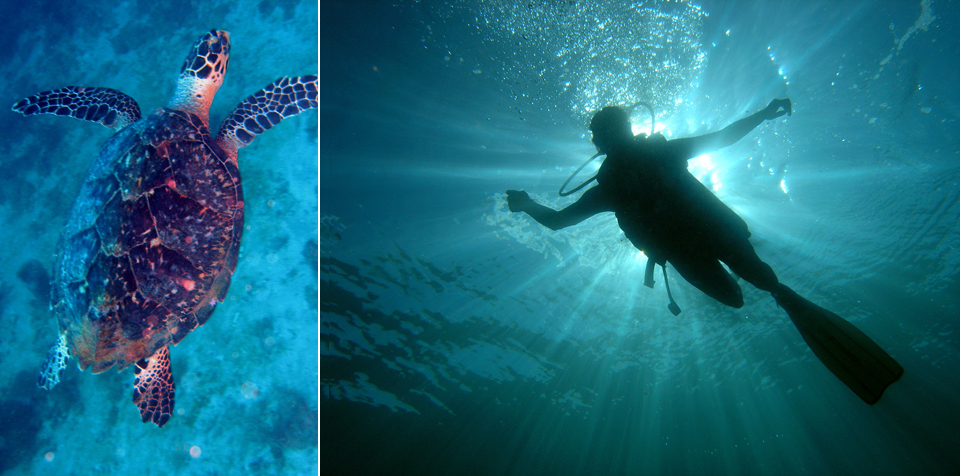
(592, 201)
(697, 146)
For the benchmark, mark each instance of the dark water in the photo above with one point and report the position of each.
(457, 338)
(246, 391)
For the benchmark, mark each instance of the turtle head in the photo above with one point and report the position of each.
(202, 74)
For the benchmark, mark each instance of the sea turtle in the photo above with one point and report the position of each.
(152, 239)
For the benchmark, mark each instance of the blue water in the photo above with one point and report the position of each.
(246, 385)
(458, 338)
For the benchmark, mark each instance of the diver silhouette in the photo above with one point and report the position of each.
(673, 218)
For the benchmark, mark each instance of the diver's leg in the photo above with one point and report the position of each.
(743, 260)
(709, 276)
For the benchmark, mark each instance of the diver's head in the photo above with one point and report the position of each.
(611, 127)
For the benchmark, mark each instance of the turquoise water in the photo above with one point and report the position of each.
(246, 397)
(458, 338)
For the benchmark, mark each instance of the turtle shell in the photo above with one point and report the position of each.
(150, 243)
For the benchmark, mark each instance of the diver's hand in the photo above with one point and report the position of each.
(772, 111)
(517, 200)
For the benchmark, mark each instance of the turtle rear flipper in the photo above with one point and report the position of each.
(109, 107)
(153, 387)
(53, 367)
(281, 99)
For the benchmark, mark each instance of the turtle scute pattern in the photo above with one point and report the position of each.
(107, 106)
(164, 261)
(153, 236)
(153, 388)
(54, 364)
(204, 59)
(264, 109)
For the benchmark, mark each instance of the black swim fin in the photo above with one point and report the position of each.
(855, 359)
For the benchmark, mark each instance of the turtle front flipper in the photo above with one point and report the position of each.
(109, 107)
(281, 99)
(53, 367)
(153, 387)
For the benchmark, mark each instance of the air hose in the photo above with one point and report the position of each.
(648, 273)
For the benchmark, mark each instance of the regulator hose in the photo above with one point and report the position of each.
(653, 124)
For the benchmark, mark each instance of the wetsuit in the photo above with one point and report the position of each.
(669, 215)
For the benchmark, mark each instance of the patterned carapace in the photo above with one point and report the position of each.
(152, 239)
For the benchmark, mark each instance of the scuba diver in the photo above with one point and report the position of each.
(671, 217)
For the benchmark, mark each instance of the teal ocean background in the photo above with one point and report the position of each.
(246, 382)
(458, 338)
